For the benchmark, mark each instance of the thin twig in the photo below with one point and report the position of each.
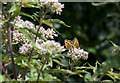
(11, 52)
(5, 71)
(10, 44)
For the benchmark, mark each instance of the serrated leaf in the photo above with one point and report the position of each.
(12, 9)
(49, 24)
(58, 21)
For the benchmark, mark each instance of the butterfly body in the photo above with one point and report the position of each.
(69, 44)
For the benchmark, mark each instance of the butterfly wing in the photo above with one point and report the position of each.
(75, 42)
(68, 44)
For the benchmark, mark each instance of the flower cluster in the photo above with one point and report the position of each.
(50, 47)
(21, 23)
(49, 33)
(78, 53)
(19, 37)
(53, 5)
(25, 48)
(47, 47)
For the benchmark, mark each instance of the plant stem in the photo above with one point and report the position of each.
(5, 71)
(38, 77)
(10, 44)
(11, 52)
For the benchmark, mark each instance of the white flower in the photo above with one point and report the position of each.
(50, 47)
(52, 5)
(49, 33)
(19, 37)
(57, 7)
(25, 48)
(77, 53)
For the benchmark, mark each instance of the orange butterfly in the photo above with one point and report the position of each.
(69, 44)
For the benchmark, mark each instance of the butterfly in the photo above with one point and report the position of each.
(69, 44)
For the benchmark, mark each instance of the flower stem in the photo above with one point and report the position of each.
(11, 52)
(5, 71)
(9, 42)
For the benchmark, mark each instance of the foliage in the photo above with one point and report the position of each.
(30, 47)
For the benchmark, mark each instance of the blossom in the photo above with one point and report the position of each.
(25, 48)
(52, 5)
(22, 24)
(19, 37)
(77, 53)
(57, 7)
(50, 47)
(49, 33)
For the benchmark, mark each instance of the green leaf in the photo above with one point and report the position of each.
(49, 24)
(83, 67)
(111, 77)
(99, 4)
(114, 44)
(22, 30)
(27, 15)
(112, 62)
(35, 17)
(58, 62)
(57, 21)
(51, 62)
(24, 63)
(35, 32)
(12, 9)
(61, 71)
(16, 13)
